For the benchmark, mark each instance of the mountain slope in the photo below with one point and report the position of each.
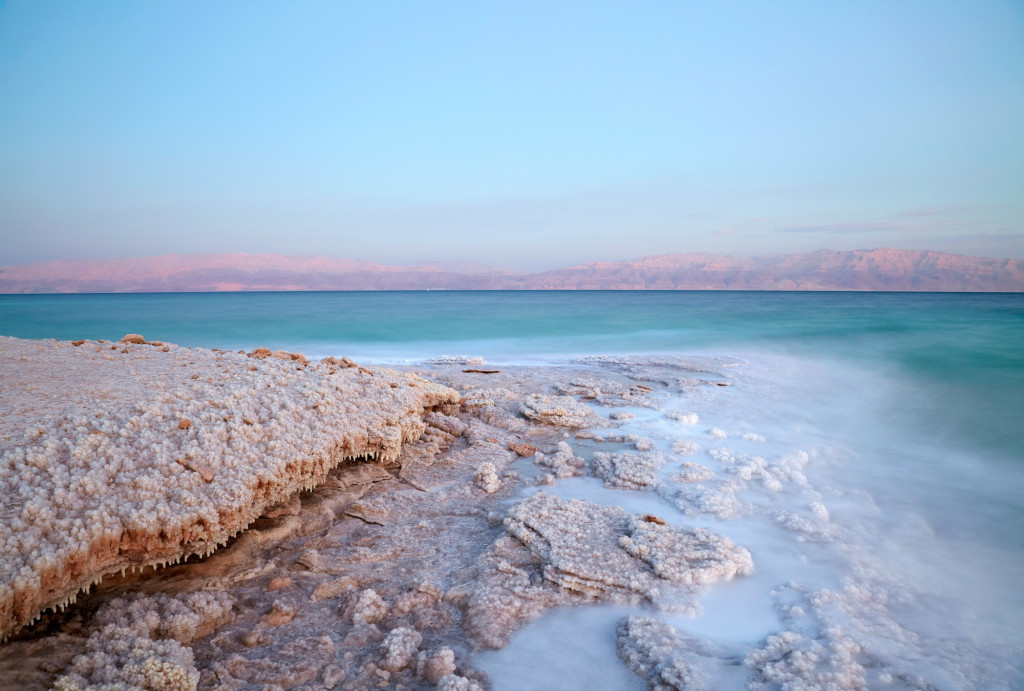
(879, 269)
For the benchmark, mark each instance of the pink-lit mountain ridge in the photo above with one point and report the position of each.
(878, 269)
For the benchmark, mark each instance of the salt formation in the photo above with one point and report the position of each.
(564, 463)
(589, 548)
(628, 470)
(433, 666)
(561, 411)
(856, 637)
(114, 481)
(594, 552)
(655, 651)
(143, 642)
(685, 418)
(370, 608)
(684, 447)
(486, 478)
(400, 648)
(693, 472)
(607, 392)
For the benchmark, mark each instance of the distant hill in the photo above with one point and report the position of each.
(879, 269)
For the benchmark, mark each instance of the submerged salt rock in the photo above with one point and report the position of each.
(97, 484)
(561, 411)
(628, 470)
(564, 463)
(684, 447)
(608, 552)
(693, 472)
(654, 651)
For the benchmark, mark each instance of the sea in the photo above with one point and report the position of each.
(897, 544)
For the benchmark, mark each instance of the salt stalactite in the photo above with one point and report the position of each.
(115, 481)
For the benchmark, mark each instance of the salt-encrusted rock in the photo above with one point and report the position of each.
(561, 552)
(685, 418)
(486, 478)
(488, 396)
(693, 472)
(608, 552)
(628, 470)
(453, 682)
(90, 485)
(563, 463)
(622, 415)
(436, 664)
(655, 651)
(142, 643)
(370, 608)
(400, 648)
(685, 447)
(134, 339)
(561, 411)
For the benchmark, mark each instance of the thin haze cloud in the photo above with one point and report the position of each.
(529, 136)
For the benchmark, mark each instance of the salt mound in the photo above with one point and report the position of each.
(94, 484)
(607, 552)
(628, 470)
(143, 642)
(654, 651)
(561, 411)
(561, 552)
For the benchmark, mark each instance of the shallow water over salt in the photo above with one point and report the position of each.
(929, 531)
(889, 425)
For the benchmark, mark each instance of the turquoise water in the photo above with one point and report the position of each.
(961, 354)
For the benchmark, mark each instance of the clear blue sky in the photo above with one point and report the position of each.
(523, 134)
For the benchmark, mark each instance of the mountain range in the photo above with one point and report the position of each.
(876, 269)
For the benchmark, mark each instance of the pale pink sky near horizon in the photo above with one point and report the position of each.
(526, 137)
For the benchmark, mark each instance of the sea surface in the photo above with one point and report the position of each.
(905, 412)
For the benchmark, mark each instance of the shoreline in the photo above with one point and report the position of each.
(479, 449)
(417, 570)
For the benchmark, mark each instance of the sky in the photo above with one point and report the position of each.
(526, 135)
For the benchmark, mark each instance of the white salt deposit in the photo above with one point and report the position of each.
(838, 589)
(166, 460)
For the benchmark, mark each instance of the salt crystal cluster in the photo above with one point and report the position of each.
(142, 642)
(684, 447)
(400, 648)
(560, 411)
(560, 552)
(564, 463)
(486, 478)
(654, 651)
(117, 482)
(628, 470)
(611, 554)
(370, 608)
